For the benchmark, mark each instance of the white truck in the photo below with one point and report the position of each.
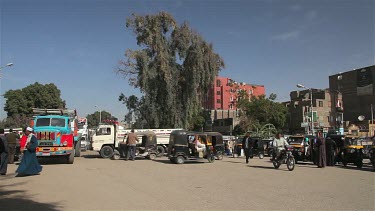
(107, 138)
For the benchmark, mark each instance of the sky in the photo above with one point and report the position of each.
(77, 44)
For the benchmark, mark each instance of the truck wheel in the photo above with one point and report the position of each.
(70, 158)
(106, 152)
(77, 149)
(160, 151)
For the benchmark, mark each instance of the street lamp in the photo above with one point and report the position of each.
(311, 106)
(100, 114)
(7, 65)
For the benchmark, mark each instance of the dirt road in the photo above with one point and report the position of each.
(93, 183)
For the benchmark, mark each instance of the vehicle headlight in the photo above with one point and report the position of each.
(352, 150)
(65, 143)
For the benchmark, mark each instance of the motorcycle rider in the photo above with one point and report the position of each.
(279, 144)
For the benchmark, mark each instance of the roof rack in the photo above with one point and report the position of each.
(48, 111)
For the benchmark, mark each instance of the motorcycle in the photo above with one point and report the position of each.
(286, 157)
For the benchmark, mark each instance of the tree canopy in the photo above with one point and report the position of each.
(21, 101)
(260, 111)
(93, 120)
(173, 69)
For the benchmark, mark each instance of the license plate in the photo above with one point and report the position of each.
(46, 154)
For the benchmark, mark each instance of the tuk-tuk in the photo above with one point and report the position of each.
(146, 148)
(268, 146)
(181, 147)
(372, 153)
(339, 141)
(217, 143)
(302, 147)
(352, 151)
(258, 147)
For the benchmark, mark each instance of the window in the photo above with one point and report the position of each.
(218, 93)
(250, 92)
(58, 122)
(320, 103)
(218, 83)
(231, 106)
(42, 122)
(218, 101)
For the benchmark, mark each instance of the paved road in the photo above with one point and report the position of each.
(102, 184)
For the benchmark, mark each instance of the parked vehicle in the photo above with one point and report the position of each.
(372, 154)
(286, 157)
(107, 136)
(258, 147)
(217, 143)
(146, 148)
(180, 149)
(57, 133)
(302, 147)
(352, 151)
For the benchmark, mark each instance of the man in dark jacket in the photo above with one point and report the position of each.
(247, 145)
(12, 142)
(3, 153)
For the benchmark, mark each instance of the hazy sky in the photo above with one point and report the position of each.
(76, 44)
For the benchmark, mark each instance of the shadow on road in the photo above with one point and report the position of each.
(186, 162)
(18, 199)
(91, 156)
(230, 161)
(267, 167)
(364, 168)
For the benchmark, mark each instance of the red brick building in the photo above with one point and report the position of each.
(223, 95)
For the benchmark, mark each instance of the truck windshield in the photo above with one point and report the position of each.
(56, 122)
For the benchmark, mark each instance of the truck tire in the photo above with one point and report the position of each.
(77, 149)
(70, 158)
(106, 152)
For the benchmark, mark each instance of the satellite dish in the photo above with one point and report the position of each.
(361, 118)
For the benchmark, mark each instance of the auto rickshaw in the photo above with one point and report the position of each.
(258, 147)
(339, 141)
(217, 143)
(352, 151)
(372, 153)
(302, 147)
(181, 147)
(146, 148)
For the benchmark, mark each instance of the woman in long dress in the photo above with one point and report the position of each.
(29, 164)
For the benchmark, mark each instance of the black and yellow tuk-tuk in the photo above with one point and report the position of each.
(352, 151)
(182, 147)
(146, 148)
(302, 147)
(218, 144)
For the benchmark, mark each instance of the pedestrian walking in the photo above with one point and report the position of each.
(247, 145)
(321, 151)
(132, 143)
(330, 150)
(3, 153)
(12, 142)
(29, 164)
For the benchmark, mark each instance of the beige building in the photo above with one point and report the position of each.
(299, 117)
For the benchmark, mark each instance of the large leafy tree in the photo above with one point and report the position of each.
(259, 111)
(173, 68)
(19, 102)
(93, 120)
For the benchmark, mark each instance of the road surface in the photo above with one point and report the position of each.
(93, 183)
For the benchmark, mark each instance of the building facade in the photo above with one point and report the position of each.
(299, 116)
(223, 95)
(358, 99)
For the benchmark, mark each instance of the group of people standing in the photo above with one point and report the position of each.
(29, 164)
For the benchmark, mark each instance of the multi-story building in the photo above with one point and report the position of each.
(221, 103)
(224, 94)
(358, 94)
(299, 111)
